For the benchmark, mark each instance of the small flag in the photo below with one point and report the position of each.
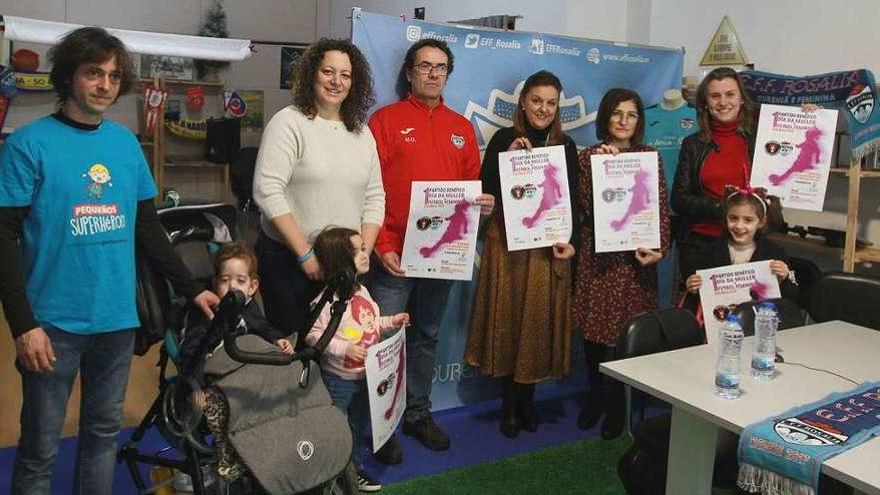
(235, 104)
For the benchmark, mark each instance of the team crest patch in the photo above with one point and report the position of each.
(799, 432)
(860, 103)
(686, 123)
(458, 141)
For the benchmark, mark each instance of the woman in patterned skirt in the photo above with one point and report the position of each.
(610, 288)
(520, 328)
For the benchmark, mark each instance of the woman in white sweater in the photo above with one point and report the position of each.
(317, 166)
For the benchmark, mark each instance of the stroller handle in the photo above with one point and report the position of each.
(247, 357)
(226, 317)
(230, 309)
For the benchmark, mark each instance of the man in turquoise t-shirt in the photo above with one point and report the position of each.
(666, 125)
(75, 198)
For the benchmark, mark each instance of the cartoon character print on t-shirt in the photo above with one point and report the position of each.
(367, 333)
(99, 177)
(93, 216)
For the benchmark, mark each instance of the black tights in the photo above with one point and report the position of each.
(605, 392)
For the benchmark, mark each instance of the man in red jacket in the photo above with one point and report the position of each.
(418, 138)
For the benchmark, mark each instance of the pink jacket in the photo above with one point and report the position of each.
(360, 324)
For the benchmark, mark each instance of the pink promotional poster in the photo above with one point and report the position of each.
(626, 204)
(535, 195)
(441, 232)
(726, 287)
(793, 155)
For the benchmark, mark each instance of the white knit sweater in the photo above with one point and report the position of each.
(318, 171)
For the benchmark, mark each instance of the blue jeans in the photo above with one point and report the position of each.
(103, 361)
(425, 300)
(350, 396)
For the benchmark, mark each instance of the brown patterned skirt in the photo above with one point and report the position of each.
(520, 323)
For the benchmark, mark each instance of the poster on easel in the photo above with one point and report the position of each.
(724, 288)
(441, 232)
(385, 365)
(793, 153)
(536, 198)
(626, 201)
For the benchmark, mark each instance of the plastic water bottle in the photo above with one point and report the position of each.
(728, 364)
(765, 342)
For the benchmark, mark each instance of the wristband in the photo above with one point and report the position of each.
(305, 257)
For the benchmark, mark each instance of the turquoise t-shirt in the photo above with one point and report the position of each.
(665, 130)
(82, 187)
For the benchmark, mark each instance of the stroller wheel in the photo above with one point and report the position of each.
(181, 409)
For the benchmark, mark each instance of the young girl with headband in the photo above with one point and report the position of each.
(746, 215)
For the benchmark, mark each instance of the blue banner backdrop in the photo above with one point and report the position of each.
(489, 69)
(853, 92)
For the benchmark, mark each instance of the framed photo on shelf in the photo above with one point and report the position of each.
(289, 57)
(253, 119)
(166, 67)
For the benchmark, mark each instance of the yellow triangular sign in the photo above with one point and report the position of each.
(725, 48)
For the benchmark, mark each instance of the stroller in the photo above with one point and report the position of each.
(281, 422)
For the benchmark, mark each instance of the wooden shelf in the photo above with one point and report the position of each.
(862, 172)
(182, 82)
(155, 144)
(193, 163)
(817, 245)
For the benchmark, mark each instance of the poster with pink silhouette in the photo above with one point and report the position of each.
(726, 287)
(535, 197)
(793, 154)
(441, 231)
(385, 365)
(626, 204)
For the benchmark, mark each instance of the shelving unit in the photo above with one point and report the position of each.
(156, 146)
(850, 253)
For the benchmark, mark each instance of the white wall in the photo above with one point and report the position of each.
(598, 19)
(788, 37)
(270, 20)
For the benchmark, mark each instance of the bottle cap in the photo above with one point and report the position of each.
(732, 317)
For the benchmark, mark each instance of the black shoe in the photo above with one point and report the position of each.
(589, 416)
(391, 452)
(366, 483)
(426, 431)
(508, 421)
(612, 426)
(528, 416)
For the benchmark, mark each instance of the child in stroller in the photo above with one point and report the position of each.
(281, 424)
(235, 267)
(342, 250)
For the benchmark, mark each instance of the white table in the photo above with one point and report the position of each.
(685, 379)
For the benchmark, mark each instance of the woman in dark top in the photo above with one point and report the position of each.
(520, 328)
(719, 155)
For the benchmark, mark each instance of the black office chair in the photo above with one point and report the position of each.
(788, 312)
(643, 467)
(849, 297)
(807, 274)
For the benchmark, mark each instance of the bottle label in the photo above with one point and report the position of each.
(726, 381)
(762, 363)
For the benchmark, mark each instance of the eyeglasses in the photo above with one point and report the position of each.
(622, 116)
(427, 67)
